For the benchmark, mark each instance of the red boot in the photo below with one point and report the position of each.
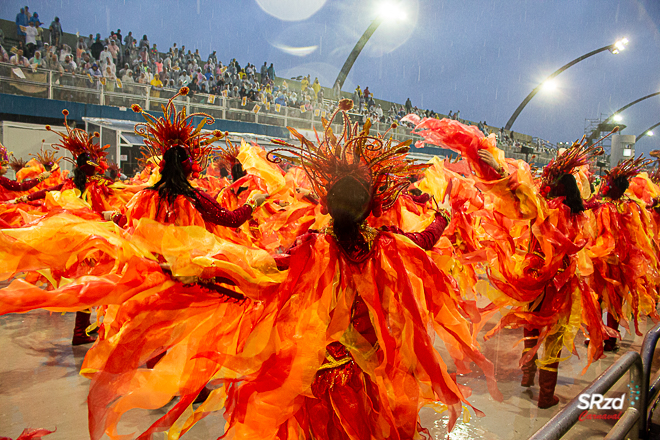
(548, 382)
(79, 331)
(529, 368)
(610, 343)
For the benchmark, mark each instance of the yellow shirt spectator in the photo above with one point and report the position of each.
(157, 84)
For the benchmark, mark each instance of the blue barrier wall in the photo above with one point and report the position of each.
(50, 108)
(27, 106)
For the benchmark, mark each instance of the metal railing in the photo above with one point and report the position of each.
(651, 392)
(52, 84)
(636, 420)
(564, 420)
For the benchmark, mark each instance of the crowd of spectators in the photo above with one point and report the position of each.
(118, 61)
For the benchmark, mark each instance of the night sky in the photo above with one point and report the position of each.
(481, 57)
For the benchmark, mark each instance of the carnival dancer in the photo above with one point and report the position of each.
(625, 256)
(535, 267)
(184, 151)
(90, 164)
(355, 312)
(8, 187)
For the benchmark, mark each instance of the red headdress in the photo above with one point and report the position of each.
(372, 160)
(228, 155)
(78, 141)
(576, 155)
(628, 169)
(175, 128)
(17, 163)
(4, 156)
(46, 158)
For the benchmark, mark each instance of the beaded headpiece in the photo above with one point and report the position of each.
(576, 155)
(78, 141)
(175, 128)
(4, 156)
(372, 160)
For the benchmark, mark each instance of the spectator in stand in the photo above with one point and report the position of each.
(114, 51)
(31, 33)
(143, 78)
(366, 94)
(69, 65)
(408, 106)
(97, 48)
(19, 60)
(316, 87)
(263, 71)
(379, 112)
(156, 86)
(103, 56)
(36, 61)
(129, 39)
(21, 21)
(81, 48)
(40, 30)
(89, 41)
(281, 100)
(123, 71)
(55, 32)
(4, 56)
(110, 79)
(356, 98)
(319, 96)
(95, 72)
(193, 86)
(149, 74)
(144, 42)
(185, 79)
(85, 63)
(51, 63)
(119, 40)
(127, 77)
(271, 72)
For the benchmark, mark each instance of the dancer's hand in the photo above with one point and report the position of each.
(107, 215)
(488, 158)
(259, 199)
(43, 176)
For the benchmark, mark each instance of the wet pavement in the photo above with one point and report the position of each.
(40, 387)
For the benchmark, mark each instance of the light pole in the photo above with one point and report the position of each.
(647, 132)
(603, 126)
(387, 11)
(615, 48)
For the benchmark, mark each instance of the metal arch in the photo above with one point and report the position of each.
(529, 97)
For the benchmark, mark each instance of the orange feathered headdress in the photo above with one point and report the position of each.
(17, 163)
(229, 154)
(175, 128)
(628, 169)
(372, 160)
(78, 141)
(46, 158)
(577, 155)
